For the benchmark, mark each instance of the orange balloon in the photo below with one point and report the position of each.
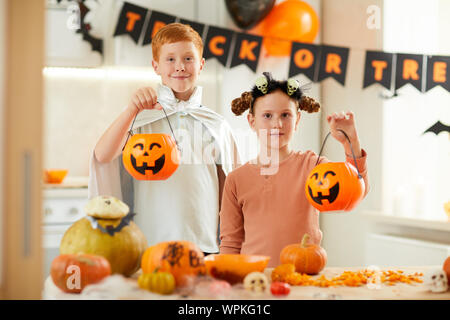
(291, 20)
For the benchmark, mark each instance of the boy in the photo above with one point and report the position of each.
(186, 205)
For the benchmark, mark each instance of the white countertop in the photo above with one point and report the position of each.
(119, 287)
(71, 187)
(69, 182)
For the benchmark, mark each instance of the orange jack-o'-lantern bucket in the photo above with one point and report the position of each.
(334, 186)
(153, 156)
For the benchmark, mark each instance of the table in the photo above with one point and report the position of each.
(118, 287)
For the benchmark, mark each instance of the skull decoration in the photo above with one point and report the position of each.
(292, 86)
(436, 280)
(261, 83)
(256, 282)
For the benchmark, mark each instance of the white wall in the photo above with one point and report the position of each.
(241, 78)
(345, 25)
(81, 103)
(2, 108)
(415, 184)
(389, 132)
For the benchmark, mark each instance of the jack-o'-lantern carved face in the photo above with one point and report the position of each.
(326, 187)
(151, 156)
(334, 186)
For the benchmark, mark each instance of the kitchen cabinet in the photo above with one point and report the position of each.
(61, 207)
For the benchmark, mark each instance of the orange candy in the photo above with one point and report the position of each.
(286, 273)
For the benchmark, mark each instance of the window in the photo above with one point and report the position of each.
(416, 166)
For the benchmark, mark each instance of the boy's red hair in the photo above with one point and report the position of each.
(175, 32)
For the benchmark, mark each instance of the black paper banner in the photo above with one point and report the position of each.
(315, 62)
(378, 69)
(199, 27)
(333, 63)
(157, 21)
(131, 21)
(437, 72)
(217, 44)
(246, 51)
(304, 60)
(409, 70)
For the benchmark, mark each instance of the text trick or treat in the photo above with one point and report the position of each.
(151, 156)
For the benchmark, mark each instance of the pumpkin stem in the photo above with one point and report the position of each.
(305, 240)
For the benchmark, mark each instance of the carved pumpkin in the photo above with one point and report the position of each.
(151, 156)
(306, 257)
(334, 186)
(181, 258)
(72, 272)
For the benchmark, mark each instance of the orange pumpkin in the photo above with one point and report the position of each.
(334, 186)
(72, 272)
(306, 257)
(181, 258)
(446, 268)
(151, 156)
(158, 282)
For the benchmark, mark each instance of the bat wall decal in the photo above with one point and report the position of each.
(437, 128)
(96, 44)
(85, 28)
(109, 228)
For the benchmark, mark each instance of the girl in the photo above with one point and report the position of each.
(265, 210)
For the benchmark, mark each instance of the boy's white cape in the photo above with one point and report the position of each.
(112, 179)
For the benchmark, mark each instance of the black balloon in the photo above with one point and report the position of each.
(248, 13)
